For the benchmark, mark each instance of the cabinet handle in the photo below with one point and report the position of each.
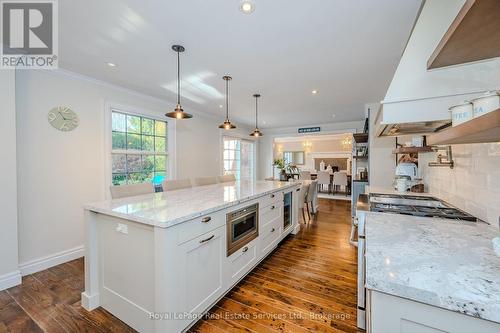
(298, 190)
(206, 240)
(245, 249)
(206, 219)
(272, 207)
(273, 230)
(272, 195)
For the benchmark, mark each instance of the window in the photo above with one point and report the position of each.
(139, 149)
(238, 158)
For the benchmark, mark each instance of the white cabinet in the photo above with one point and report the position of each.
(240, 263)
(269, 236)
(391, 314)
(200, 270)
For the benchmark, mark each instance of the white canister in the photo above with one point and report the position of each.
(461, 113)
(488, 102)
(401, 185)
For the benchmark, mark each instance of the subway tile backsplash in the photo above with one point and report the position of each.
(473, 185)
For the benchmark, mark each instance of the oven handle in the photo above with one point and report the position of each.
(243, 216)
(207, 239)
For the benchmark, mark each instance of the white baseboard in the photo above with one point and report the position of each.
(10, 280)
(55, 259)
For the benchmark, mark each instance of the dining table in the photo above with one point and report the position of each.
(314, 175)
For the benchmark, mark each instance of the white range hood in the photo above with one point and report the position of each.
(418, 97)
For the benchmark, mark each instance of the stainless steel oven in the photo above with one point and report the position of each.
(242, 227)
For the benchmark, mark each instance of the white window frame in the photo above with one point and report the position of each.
(170, 168)
(237, 137)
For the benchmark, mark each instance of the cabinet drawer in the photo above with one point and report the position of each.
(200, 225)
(270, 213)
(240, 262)
(269, 236)
(270, 199)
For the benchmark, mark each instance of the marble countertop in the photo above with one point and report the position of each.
(166, 209)
(446, 263)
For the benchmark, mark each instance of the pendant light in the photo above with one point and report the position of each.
(227, 123)
(256, 132)
(178, 113)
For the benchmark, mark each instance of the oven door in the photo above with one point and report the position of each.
(241, 229)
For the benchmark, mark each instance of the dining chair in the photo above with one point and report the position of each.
(131, 190)
(304, 189)
(171, 185)
(311, 197)
(226, 178)
(340, 179)
(324, 179)
(201, 181)
(305, 175)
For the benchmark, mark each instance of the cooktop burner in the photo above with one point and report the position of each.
(417, 206)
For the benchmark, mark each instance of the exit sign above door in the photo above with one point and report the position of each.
(309, 129)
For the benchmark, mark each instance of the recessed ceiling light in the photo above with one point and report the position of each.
(221, 106)
(247, 7)
(264, 122)
(110, 64)
(314, 92)
(334, 115)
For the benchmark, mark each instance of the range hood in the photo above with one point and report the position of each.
(418, 99)
(415, 128)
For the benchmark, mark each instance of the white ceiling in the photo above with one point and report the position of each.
(347, 50)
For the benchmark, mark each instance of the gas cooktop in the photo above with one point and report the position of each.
(417, 206)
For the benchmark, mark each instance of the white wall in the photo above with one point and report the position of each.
(473, 185)
(265, 160)
(382, 160)
(9, 274)
(59, 172)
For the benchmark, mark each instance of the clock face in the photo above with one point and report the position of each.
(63, 118)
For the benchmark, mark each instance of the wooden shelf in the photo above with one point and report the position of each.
(360, 137)
(485, 128)
(474, 35)
(412, 150)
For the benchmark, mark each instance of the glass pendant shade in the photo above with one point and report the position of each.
(178, 112)
(227, 125)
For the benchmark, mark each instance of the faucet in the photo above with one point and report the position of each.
(445, 160)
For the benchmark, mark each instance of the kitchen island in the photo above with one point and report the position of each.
(430, 274)
(160, 261)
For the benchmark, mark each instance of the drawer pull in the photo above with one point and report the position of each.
(272, 195)
(206, 240)
(298, 190)
(273, 230)
(272, 207)
(206, 219)
(245, 249)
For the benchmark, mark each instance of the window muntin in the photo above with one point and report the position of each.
(139, 149)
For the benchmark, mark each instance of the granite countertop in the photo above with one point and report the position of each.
(446, 263)
(166, 209)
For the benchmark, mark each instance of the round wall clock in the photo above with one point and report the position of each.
(63, 118)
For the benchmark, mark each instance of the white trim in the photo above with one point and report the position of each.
(55, 259)
(10, 280)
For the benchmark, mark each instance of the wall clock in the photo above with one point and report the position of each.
(63, 118)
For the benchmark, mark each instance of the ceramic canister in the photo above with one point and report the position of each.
(488, 102)
(461, 113)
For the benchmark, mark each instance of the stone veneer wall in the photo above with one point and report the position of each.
(473, 185)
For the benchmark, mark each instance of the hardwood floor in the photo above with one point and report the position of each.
(308, 284)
